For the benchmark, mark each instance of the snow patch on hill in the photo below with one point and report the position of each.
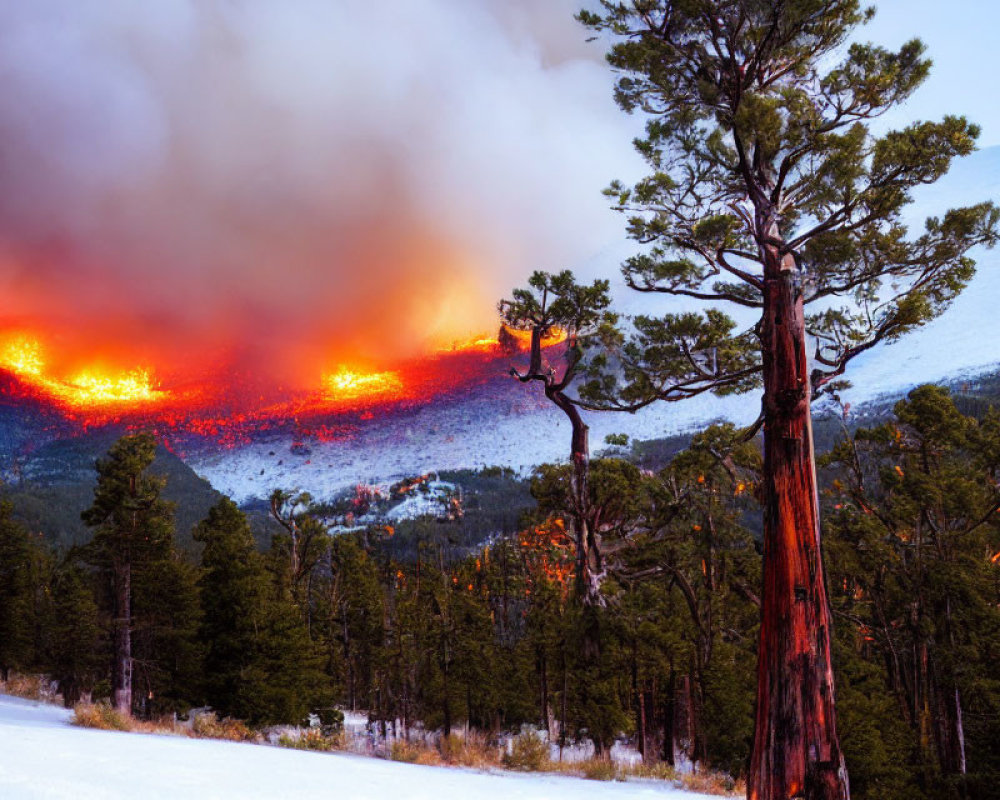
(44, 758)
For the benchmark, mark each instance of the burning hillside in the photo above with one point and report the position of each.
(230, 409)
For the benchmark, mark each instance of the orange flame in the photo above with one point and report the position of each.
(484, 343)
(347, 384)
(23, 356)
(549, 547)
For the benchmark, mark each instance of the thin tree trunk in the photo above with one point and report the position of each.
(959, 726)
(122, 672)
(669, 719)
(682, 728)
(589, 564)
(796, 753)
(644, 750)
(640, 714)
(543, 687)
(565, 691)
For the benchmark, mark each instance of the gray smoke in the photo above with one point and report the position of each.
(293, 182)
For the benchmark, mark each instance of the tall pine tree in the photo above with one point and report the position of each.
(768, 193)
(260, 664)
(17, 553)
(133, 533)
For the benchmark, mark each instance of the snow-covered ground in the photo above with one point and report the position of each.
(43, 757)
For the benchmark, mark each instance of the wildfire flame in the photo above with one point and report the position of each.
(97, 387)
(483, 343)
(347, 384)
(549, 547)
(24, 357)
(480, 343)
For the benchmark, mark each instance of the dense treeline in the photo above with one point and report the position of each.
(498, 639)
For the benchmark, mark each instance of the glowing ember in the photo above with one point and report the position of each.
(23, 357)
(346, 384)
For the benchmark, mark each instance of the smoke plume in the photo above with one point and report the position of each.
(282, 186)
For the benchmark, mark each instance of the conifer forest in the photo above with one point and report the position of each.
(717, 508)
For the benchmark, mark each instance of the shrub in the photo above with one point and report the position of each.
(209, 726)
(472, 750)
(528, 752)
(101, 716)
(29, 687)
(104, 717)
(310, 739)
(331, 720)
(601, 769)
(402, 750)
(714, 783)
(657, 770)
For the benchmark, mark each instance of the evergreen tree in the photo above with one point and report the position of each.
(353, 626)
(17, 589)
(259, 663)
(133, 534)
(693, 539)
(233, 599)
(914, 533)
(167, 646)
(554, 304)
(768, 192)
(75, 659)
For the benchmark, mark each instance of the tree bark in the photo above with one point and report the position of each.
(796, 752)
(122, 672)
(682, 727)
(589, 562)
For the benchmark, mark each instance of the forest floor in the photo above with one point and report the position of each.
(43, 756)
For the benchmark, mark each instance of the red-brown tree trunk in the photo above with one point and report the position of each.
(796, 753)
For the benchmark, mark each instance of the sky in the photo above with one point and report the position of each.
(292, 186)
(961, 40)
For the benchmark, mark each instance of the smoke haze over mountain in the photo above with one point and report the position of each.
(292, 184)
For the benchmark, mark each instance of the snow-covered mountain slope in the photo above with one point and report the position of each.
(44, 758)
(503, 423)
(506, 423)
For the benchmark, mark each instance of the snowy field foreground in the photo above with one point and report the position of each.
(43, 756)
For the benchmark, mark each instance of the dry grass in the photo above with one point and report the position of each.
(472, 750)
(103, 717)
(402, 750)
(415, 753)
(528, 753)
(657, 771)
(597, 769)
(205, 726)
(30, 687)
(311, 739)
(209, 726)
(714, 783)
